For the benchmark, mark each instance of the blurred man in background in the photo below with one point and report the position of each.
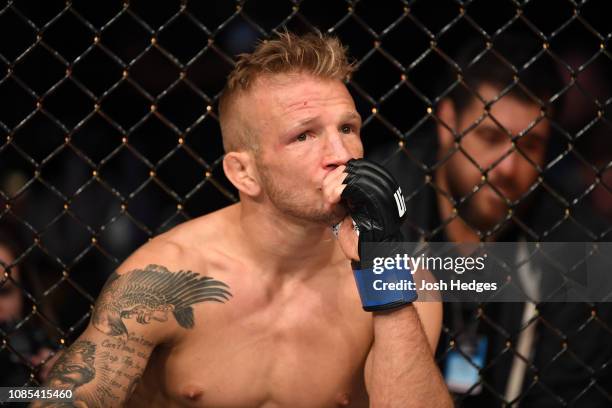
(488, 162)
(28, 345)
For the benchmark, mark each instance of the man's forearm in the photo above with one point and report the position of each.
(403, 372)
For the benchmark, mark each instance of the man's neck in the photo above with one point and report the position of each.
(284, 245)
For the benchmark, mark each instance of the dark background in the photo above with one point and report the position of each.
(108, 127)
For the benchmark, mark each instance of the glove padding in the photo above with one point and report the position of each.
(376, 204)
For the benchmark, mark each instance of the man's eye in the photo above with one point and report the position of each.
(346, 129)
(492, 137)
(302, 137)
(529, 143)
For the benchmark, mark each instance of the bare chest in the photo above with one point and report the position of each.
(306, 351)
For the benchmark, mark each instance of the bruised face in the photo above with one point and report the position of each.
(510, 171)
(305, 128)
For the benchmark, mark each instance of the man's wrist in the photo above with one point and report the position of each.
(390, 289)
(393, 313)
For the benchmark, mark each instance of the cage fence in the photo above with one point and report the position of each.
(110, 133)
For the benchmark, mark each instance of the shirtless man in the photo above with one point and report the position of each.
(255, 305)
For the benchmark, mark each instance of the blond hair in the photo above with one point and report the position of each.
(314, 54)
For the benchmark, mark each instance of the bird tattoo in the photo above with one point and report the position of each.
(153, 294)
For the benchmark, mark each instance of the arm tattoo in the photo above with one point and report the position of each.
(74, 368)
(152, 294)
(105, 373)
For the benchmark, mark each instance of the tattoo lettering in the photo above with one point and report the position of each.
(109, 371)
(151, 294)
(106, 372)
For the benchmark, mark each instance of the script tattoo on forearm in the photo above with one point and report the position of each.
(152, 294)
(106, 371)
(100, 374)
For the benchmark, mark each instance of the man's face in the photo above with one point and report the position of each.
(10, 295)
(489, 145)
(305, 127)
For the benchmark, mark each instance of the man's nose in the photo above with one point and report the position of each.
(508, 166)
(337, 152)
(504, 174)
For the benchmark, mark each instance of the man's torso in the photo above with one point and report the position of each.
(300, 342)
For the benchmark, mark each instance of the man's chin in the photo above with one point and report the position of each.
(486, 220)
(329, 219)
(338, 213)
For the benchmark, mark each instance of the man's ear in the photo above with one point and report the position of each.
(447, 125)
(240, 170)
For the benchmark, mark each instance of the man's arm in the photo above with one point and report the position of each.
(405, 342)
(137, 309)
(400, 369)
(99, 371)
(102, 366)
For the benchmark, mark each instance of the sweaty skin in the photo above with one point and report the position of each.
(255, 305)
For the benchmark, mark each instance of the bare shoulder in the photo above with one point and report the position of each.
(187, 244)
(157, 288)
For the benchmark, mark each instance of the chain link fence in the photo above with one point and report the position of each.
(109, 134)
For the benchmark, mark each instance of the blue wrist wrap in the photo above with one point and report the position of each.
(390, 289)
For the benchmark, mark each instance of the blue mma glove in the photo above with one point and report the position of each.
(376, 204)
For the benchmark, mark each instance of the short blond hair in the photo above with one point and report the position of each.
(315, 54)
